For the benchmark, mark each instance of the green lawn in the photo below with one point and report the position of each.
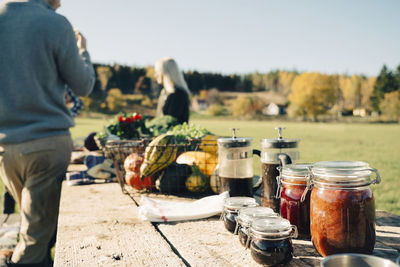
(377, 144)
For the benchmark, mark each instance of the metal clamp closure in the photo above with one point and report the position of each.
(309, 185)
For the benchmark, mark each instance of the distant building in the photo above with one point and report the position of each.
(199, 104)
(273, 109)
(359, 112)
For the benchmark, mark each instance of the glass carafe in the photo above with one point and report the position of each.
(274, 153)
(235, 165)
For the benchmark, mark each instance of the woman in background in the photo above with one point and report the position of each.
(175, 95)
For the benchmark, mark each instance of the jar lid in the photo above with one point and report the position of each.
(279, 143)
(234, 142)
(337, 169)
(236, 203)
(296, 171)
(345, 172)
(247, 215)
(273, 227)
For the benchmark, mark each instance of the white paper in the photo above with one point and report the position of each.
(157, 210)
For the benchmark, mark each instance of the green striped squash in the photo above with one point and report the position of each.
(159, 154)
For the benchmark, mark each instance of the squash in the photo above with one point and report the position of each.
(197, 182)
(215, 183)
(159, 154)
(172, 179)
(205, 161)
(209, 143)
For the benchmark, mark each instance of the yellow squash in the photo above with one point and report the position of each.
(209, 143)
(205, 161)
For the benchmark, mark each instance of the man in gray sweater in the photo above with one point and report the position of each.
(39, 56)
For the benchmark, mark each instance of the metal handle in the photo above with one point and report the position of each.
(309, 185)
(248, 241)
(259, 181)
(279, 183)
(378, 176)
(236, 228)
(294, 232)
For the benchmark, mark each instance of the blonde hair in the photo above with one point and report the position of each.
(171, 75)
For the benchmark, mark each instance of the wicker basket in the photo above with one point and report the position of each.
(118, 151)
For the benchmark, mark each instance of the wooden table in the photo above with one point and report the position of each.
(99, 226)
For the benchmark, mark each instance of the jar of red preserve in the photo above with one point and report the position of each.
(246, 217)
(342, 207)
(232, 205)
(293, 205)
(271, 241)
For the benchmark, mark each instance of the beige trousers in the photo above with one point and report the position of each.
(32, 172)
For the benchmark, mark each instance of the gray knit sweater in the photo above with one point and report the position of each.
(38, 57)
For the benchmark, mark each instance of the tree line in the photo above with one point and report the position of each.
(309, 94)
(141, 80)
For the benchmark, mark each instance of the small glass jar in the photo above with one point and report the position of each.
(245, 218)
(271, 241)
(293, 205)
(231, 209)
(342, 207)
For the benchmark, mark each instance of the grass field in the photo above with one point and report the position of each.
(377, 144)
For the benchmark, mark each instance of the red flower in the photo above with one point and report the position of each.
(120, 119)
(128, 120)
(139, 116)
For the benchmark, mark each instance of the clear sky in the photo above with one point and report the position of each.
(241, 36)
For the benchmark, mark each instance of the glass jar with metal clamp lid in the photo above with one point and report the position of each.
(271, 241)
(294, 198)
(232, 205)
(342, 207)
(245, 218)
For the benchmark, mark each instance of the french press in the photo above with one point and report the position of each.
(275, 152)
(235, 165)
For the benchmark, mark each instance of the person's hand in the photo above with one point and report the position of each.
(80, 40)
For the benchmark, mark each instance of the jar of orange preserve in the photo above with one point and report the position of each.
(342, 208)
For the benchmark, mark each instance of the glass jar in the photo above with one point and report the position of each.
(232, 205)
(342, 207)
(271, 241)
(293, 205)
(245, 218)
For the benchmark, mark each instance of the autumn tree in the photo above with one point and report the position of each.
(366, 92)
(390, 105)
(313, 94)
(286, 79)
(245, 106)
(386, 82)
(104, 73)
(115, 100)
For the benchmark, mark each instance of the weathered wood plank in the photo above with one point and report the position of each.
(208, 243)
(98, 226)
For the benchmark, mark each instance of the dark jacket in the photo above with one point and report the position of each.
(177, 105)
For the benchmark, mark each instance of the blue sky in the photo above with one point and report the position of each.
(241, 36)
